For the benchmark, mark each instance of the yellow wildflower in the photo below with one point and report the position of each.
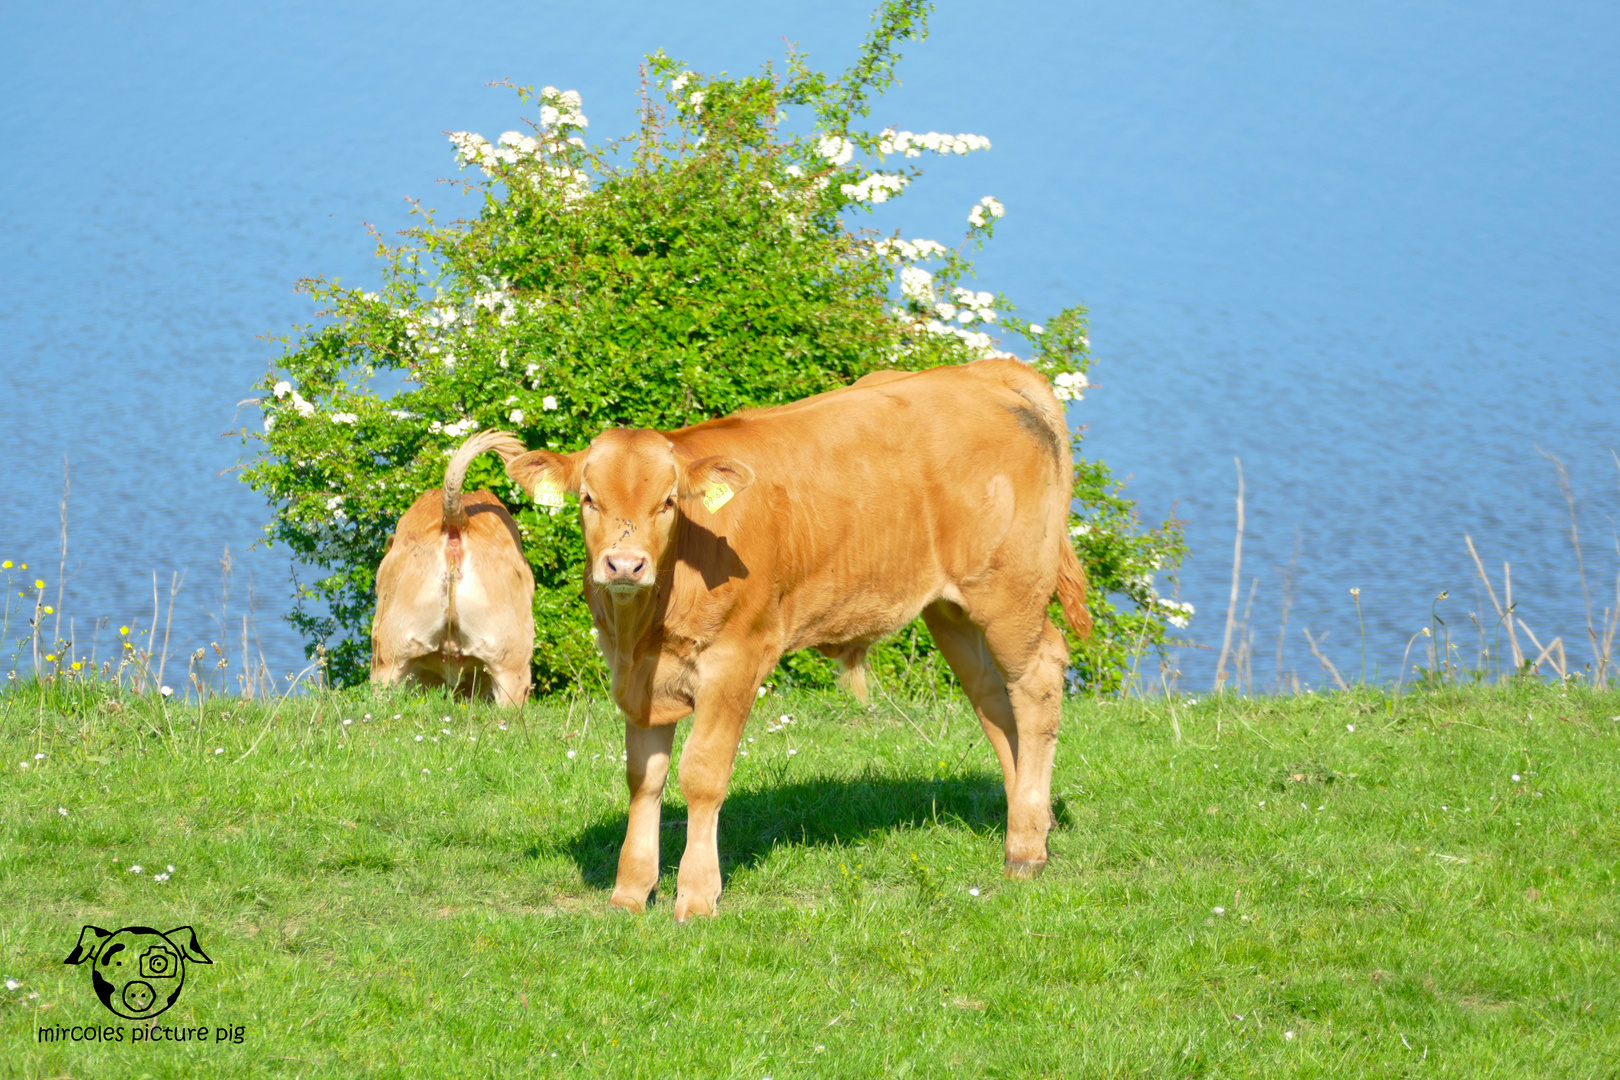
(39, 583)
(48, 610)
(77, 665)
(5, 565)
(50, 657)
(123, 631)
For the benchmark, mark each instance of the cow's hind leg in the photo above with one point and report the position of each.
(965, 650)
(646, 767)
(1014, 677)
(511, 682)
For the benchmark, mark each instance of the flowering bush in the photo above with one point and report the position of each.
(707, 263)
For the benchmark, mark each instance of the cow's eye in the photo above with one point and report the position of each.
(587, 502)
(669, 504)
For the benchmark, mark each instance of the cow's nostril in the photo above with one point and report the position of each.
(626, 565)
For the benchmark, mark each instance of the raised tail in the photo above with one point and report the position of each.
(1071, 590)
(503, 443)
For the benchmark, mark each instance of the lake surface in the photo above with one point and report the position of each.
(1371, 249)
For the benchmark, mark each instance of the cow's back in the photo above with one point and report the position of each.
(873, 500)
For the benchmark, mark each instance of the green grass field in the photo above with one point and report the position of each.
(1238, 888)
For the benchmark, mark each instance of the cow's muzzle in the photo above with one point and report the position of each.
(622, 572)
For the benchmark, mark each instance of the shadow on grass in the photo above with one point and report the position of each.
(821, 812)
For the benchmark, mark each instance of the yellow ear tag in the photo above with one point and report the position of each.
(716, 495)
(547, 492)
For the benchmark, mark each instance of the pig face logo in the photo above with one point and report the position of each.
(137, 972)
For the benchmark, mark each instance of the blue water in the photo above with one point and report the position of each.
(1369, 249)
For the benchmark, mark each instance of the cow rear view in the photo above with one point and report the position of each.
(455, 596)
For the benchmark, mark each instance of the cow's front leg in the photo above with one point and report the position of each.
(706, 763)
(646, 768)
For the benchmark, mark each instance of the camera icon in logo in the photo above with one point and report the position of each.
(136, 971)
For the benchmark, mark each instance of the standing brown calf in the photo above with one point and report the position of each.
(455, 596)
(830, 522)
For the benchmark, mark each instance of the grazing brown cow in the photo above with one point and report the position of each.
(455, 596)
(829, 522)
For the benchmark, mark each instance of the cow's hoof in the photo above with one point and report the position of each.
(1024, 869)
(687, 907)
(628, 901)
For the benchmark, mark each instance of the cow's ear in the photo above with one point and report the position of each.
(548, 476)
(91, 939)
(715, 480)
(185, 939)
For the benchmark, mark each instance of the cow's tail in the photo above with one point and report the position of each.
(1071, 589)
(503, 443)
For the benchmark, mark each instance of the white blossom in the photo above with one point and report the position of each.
(282, 388)
(837, 150)
(344, 418)
(1036, 328)
(303, 408)
(1070, 386)
(1176, 612)
(680, 81)
(917, 285)
(548, 403)
(984, 211)
(515, 416)
(912, 145)
(461, 428)
(876, 188)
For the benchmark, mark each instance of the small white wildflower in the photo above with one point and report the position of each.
(426, 770)
(1351, 728)
(13, 984)
(1288, 1035)
(791, 751)
(1219, 911)
(62, 810)
(160, 877)
(218, 751)
(571, 753)
(135, 869)
(419, 738)
(347, 721)
(39, 757)
(1515, 778)
(167, 691)
(974, 891)
(761, 693)
(444, 731)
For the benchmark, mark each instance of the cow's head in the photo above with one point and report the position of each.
(632, 487)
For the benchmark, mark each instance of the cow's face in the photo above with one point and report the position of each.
(633, 487)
